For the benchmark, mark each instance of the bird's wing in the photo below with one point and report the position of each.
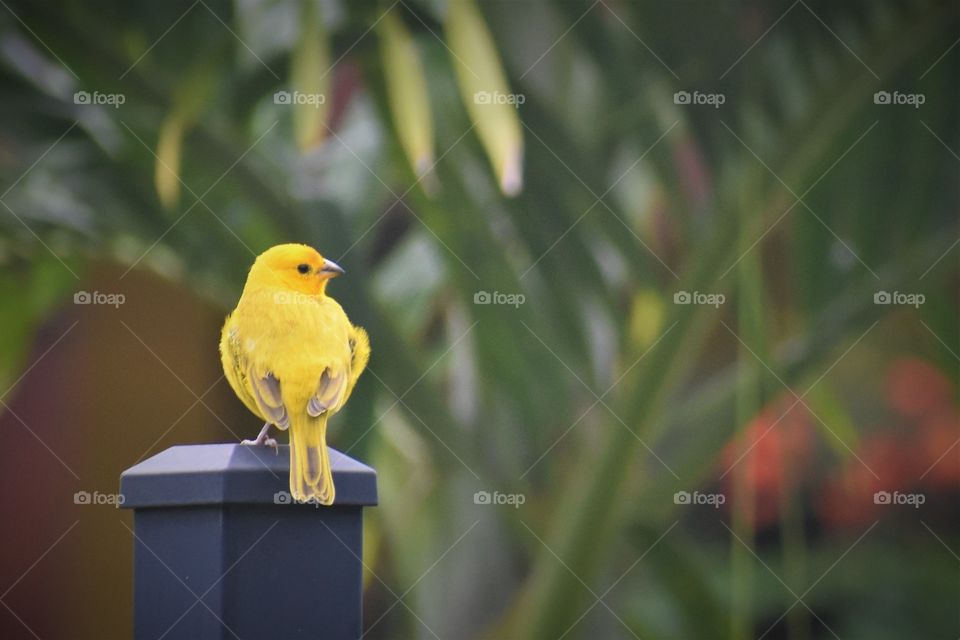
(335, 387)
(235, 367)
(266, 389)
(359, 355)
(259, 391)
(331, 393)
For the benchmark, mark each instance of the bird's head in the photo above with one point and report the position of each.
(295, 267)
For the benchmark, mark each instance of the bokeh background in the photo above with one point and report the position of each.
(674, 283)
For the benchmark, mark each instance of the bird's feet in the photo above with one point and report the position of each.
(263, 439)
(268, 442)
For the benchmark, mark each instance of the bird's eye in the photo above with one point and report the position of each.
(303, 268)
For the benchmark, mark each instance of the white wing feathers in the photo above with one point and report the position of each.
(329, 395)
(266, 389)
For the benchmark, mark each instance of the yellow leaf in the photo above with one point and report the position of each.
(190, 97)
(310, 79)
(407, 93)
(484, 90)
(646, 319)
(166, 175)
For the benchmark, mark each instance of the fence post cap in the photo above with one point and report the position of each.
(207, 474)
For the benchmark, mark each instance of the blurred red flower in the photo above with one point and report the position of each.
(916, 389)
(847, 499)
(773, 451)
(919, 451)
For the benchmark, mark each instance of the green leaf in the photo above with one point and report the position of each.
(837, 427)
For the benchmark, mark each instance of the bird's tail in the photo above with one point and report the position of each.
(310, 474)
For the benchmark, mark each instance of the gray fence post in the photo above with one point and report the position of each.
(221, 552)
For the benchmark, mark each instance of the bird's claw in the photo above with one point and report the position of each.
(261, 442)
(263, 439)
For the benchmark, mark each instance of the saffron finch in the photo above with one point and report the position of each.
(292, 356)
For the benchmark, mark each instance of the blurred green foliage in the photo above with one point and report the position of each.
(597, 398)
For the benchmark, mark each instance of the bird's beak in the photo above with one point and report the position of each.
(331, 269)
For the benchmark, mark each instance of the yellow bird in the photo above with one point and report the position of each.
(292, 356)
